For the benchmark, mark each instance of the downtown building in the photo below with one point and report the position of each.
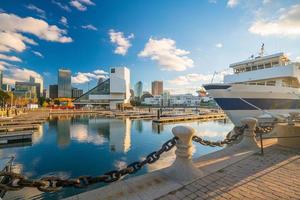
(64, 89)
(157, 88)
(112, 93)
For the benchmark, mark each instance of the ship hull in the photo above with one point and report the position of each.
(239, 100)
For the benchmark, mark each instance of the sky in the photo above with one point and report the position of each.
(182, 42)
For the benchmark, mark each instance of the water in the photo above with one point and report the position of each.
(83, 145)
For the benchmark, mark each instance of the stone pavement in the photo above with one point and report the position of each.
(276, 175)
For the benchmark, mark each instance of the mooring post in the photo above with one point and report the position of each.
(249, 140)
(183, 168)
(292, 117)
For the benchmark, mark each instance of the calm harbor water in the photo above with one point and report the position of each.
(83, 145)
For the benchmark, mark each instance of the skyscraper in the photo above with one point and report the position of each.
(53, 91)
(157, 88)
(138, 89)
(38, 80)
(64, 83)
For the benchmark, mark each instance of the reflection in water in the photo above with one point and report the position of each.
(138, 125)
(93, 146)
(63, 132)
(119, 135)
(37, 135)
(80, 133)
(157, 128)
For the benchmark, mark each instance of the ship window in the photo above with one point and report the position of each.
(252, 83)
(275, 63)
(267, 65)
(261, 83)
(271, 83)
(254, 67)
(260, 66)
(248, 69)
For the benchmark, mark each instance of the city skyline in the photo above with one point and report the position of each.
(92, 36)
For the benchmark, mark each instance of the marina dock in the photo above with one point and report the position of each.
(175, 119)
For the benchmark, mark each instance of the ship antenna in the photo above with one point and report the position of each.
(262, 50)
(212, 79)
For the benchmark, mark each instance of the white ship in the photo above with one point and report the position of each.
(259, 86)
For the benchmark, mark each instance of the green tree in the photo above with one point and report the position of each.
(4, 97)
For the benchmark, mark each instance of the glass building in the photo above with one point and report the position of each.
(138, 89)
(64, 84)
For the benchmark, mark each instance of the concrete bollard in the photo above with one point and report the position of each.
(183, 168)
(249, 140)
(292, 117)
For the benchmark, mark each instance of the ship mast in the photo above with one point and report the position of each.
(262, 50)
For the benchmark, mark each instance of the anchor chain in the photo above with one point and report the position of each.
(228, 140)
(54, 183)
(263, 129)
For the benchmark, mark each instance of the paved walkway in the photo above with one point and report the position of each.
(276, 175)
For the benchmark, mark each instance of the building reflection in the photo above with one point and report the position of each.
(138, 124)
(63, 132)
(37, 135)
(157, 128)
(120, 135)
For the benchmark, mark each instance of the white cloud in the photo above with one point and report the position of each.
(78, 5)
(14, 73)
(168, 56)
(87, 2)
(298, 58)
(41, 13)
(212, 1)
(122, 42)
(63, 20)
(89, 27)
(195, 78)
(219, 45)
(62, 6)
(12, 26)
(84, 77)
(37, 53)
(10, 58)
(100, 71)
(14, 41)
(232, 3)
(287, 24)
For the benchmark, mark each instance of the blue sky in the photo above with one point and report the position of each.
(179, 42)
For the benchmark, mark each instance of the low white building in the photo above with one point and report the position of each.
(174, 100)
(110, 93)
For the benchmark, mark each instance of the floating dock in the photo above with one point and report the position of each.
(15, 137)
(189, 118)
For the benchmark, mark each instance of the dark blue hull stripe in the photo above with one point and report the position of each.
(264, 104)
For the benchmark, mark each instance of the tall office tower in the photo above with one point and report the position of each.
(64, 83)
(157, 88)
(138, 89)
(53, 91)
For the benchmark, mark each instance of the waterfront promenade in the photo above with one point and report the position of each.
(276, 175)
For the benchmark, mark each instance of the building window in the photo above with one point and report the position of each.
(113, 70)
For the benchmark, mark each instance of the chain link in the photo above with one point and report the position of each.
(54, 183)
(228, 140)
(263, 129)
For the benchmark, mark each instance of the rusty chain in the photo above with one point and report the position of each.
(263, 129)
(16, 181)
(228, 140)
